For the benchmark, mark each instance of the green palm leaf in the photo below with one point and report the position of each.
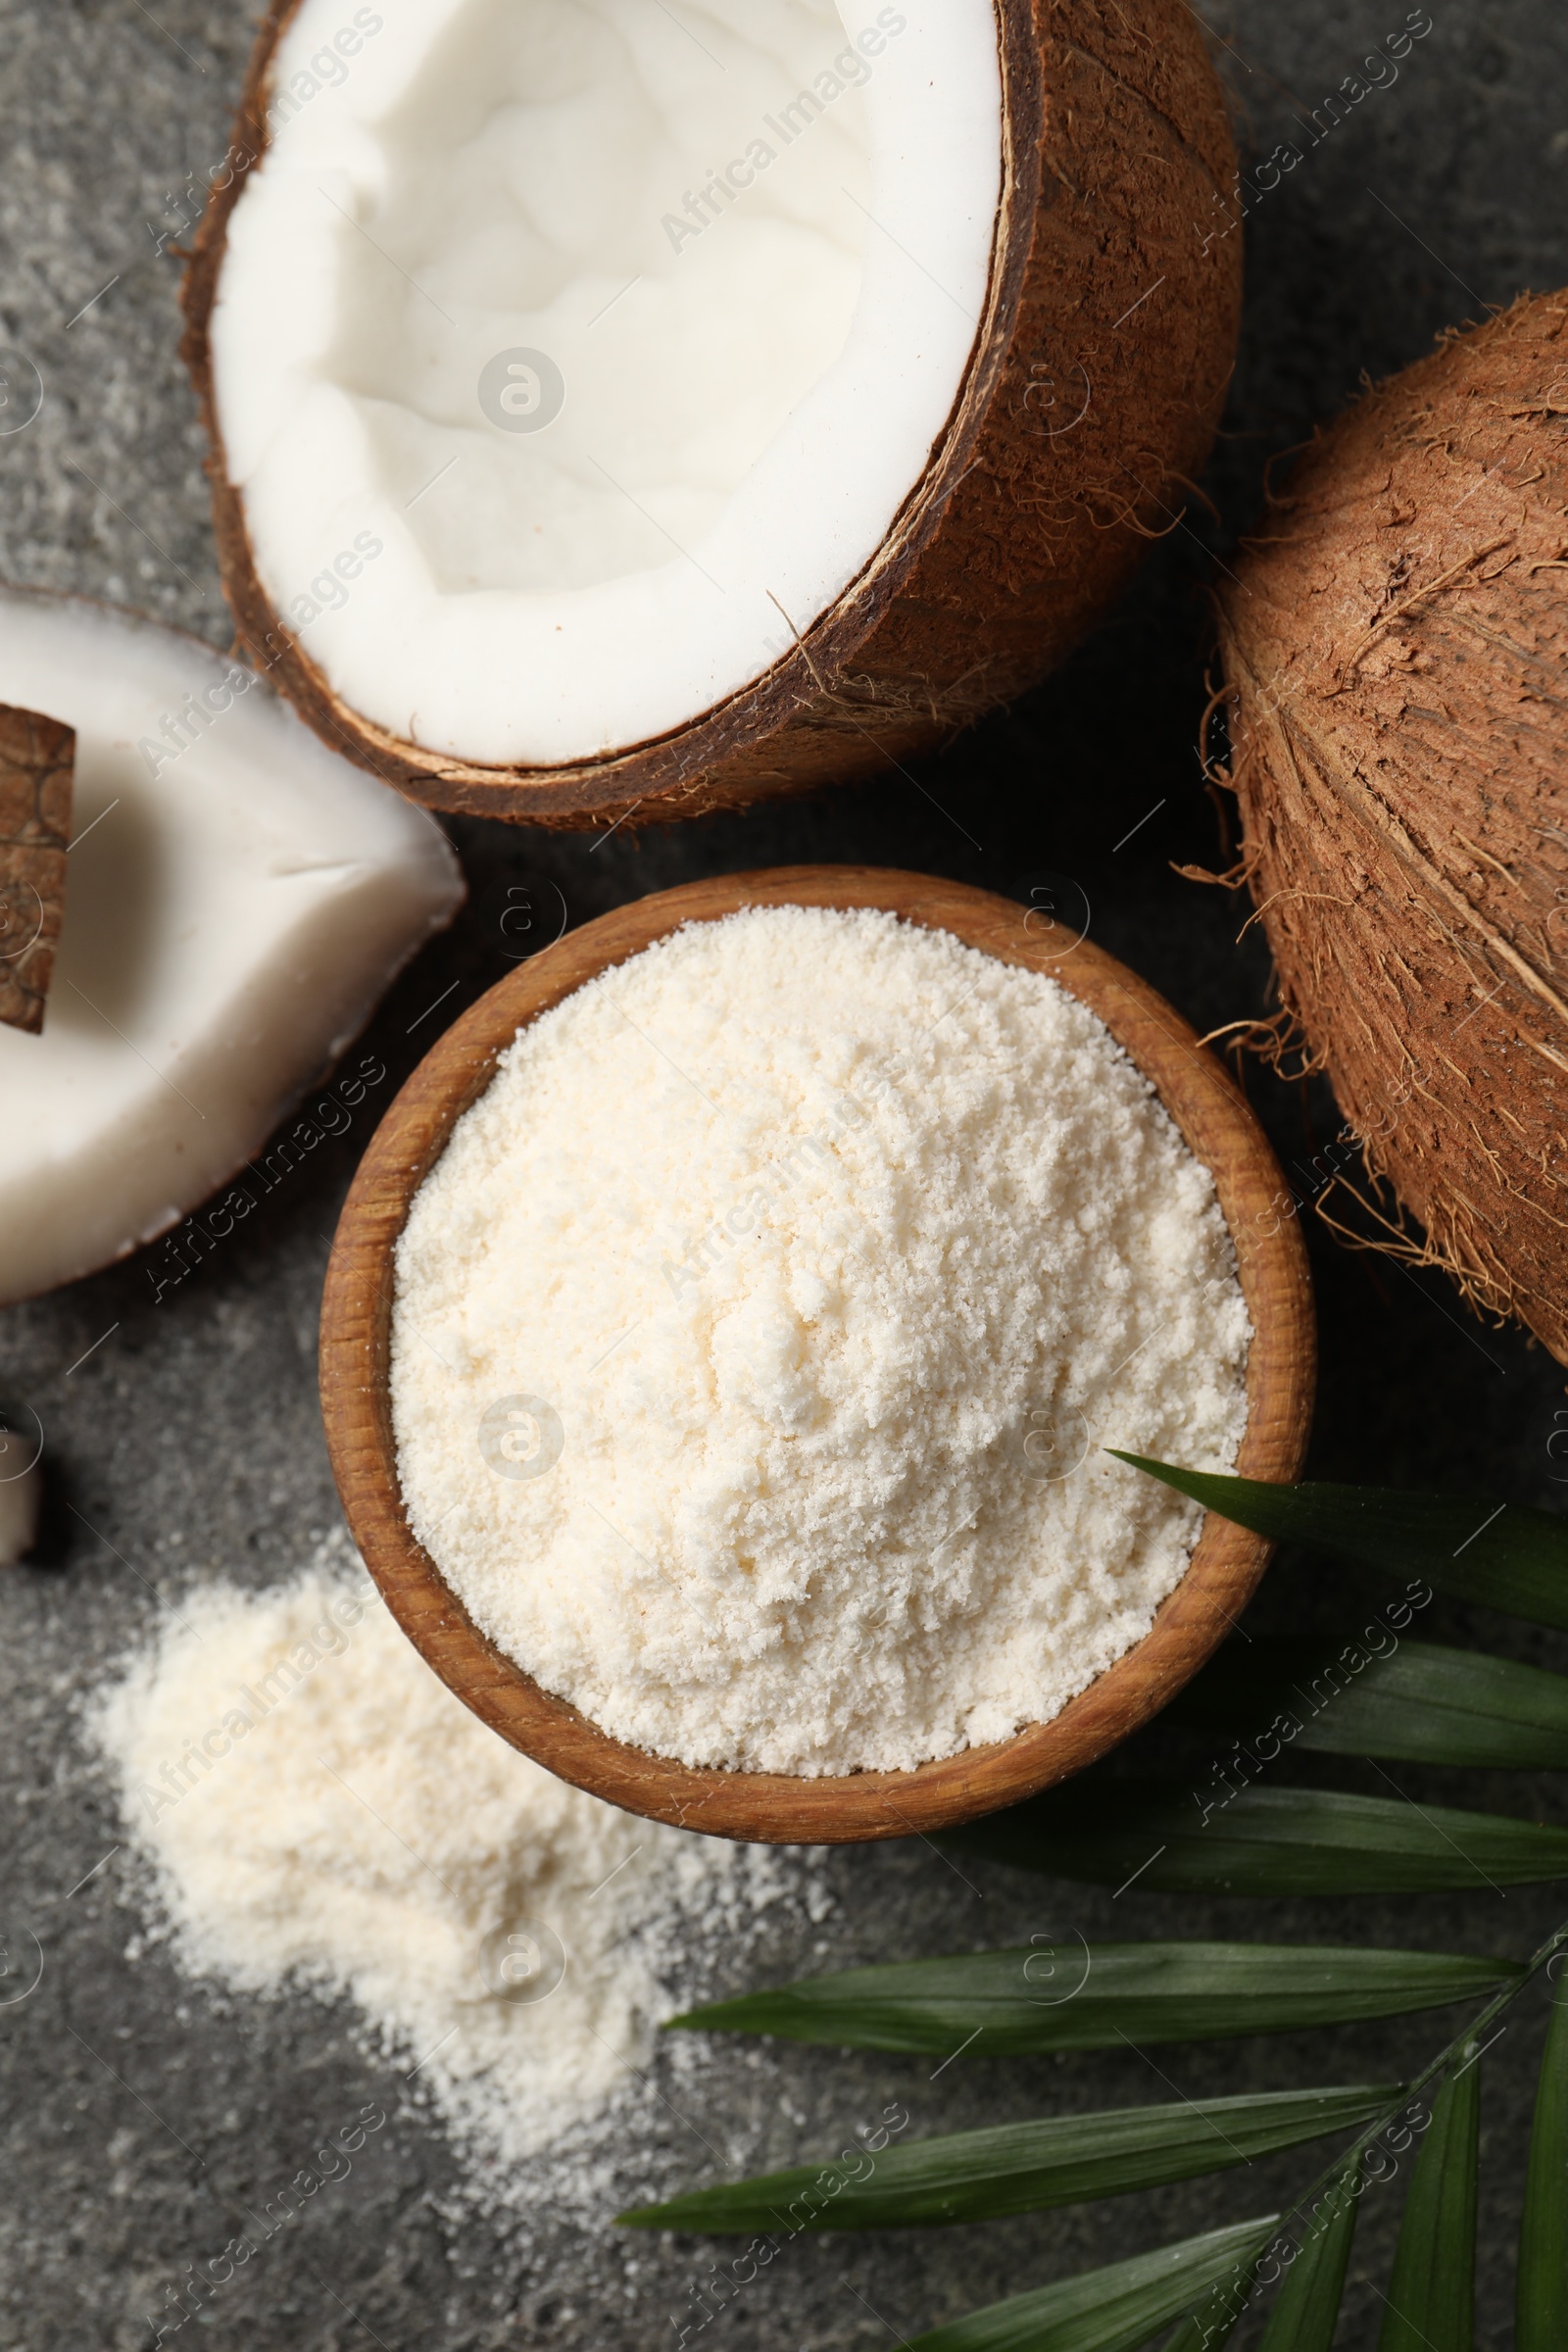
(1212, 2326)
(1308, 2303)
(1542, 2323)
(1020, 2168)
(1505, 1557)
(1264, 1841)
(1421, 1702)
(1112, 2310)
(1078, 1997)
(1238, 1834)
(1430, 2297)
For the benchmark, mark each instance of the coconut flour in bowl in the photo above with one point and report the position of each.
(758, 1335)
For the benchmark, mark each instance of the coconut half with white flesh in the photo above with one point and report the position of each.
(237, 899)
(616, 404)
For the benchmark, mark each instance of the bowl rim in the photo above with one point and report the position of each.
(1226, 1563)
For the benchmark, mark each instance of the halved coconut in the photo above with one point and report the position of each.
(238, 901)
(617, 404)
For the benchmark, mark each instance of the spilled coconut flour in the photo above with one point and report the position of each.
(757, 1334)
(320, 1809)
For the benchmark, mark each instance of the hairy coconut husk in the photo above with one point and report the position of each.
(1397, 654)
(1090, 400)
(37, 769)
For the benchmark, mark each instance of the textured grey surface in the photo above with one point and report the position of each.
(142, 2112)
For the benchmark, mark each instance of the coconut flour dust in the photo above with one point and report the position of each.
(321, 1811)
(758, 1335)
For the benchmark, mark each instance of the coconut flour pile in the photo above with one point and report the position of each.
(321, 1810)
(758, 1334)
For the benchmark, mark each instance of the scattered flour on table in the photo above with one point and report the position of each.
(321, 1811)
(758, 1332)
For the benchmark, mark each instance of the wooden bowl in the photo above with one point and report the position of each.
(778, 1807)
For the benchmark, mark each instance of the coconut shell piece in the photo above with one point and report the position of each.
(1397, 653)
(37, 766)
(1090, 404)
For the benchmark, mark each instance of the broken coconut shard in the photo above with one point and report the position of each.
(624, 415)
(37, 764)
(238, 906)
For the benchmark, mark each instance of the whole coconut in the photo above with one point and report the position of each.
(1397, 656)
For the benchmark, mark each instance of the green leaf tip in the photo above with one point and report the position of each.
(1430, 2304)
(1504, 1556)
(1376, 1694)
(1307, 2305)
(1074, 1995)
(1263, 1841)
(1019, 2167)
(1542, 2293)
(1111, 2310)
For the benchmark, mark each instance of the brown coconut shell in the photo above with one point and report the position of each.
(37, 774)
(1396, 649)
(1090, 404)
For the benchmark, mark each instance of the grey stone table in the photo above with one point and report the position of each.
(142, 2110)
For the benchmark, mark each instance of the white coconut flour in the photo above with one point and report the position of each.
(757, 1336)
(321, 1811)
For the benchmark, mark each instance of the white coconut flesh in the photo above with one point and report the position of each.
(752, 240)
(230, 921)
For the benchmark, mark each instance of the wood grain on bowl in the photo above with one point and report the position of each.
(1226, 1565)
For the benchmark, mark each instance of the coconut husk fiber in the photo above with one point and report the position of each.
(1090, 403)
(1396, 651)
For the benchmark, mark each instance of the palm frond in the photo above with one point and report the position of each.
(1430, 2305)
(1502, 1555)
(1212, 1840)
(1307, 2306)
(1109, 2310)
(1421, 1702)
(1418, 1701)
(1074, 1995)
(1020, 2168)
(1542, 2303)
(1210, 2325)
